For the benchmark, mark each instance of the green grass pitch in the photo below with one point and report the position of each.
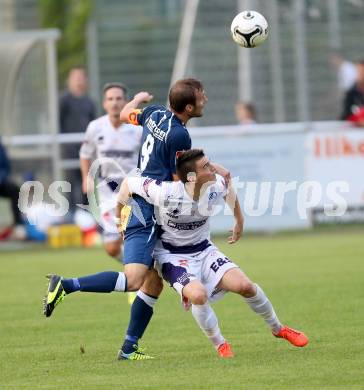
(315, 281)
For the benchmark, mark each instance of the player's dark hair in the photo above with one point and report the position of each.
(186, 162)
(183, 92)
(115, 84)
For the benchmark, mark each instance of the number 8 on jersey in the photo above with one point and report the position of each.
(146, 151)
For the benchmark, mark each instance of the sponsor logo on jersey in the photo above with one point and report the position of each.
(172, 201)
(183, 262)
(173, 213)
(184, 279)
(212, 195)
(215, 266)
(175, 274)
(155, 130)
(146, 184)
(186, 226)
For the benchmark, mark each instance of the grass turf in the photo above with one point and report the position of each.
(315, 282)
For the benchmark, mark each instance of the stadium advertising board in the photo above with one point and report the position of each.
(338, 156)
(261, 164)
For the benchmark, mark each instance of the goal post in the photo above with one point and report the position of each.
(29, 96)
(184, 42)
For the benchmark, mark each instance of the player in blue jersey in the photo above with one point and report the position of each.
(164, 134)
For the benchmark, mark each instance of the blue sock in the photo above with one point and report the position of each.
(141, 313)
(103, 282)
(129, 342)
(70, 285)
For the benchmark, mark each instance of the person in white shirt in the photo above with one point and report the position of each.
(185, 255)
(346, 72)
(114, 147)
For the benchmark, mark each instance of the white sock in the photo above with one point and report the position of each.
(120, 282)
(147, 299)
(262, 306)
(207, 321)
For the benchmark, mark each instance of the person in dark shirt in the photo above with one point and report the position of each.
(76, 111)
(353, 108)
(8, 189)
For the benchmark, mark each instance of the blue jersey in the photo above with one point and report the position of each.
(163, 136)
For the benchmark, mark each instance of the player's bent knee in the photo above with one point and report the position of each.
(134, 280)
(248, 289)
(198, 297)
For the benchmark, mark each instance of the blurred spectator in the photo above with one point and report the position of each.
(76, 110)
(346, 71)
(245, 113)
(353, 109)
(8, 189)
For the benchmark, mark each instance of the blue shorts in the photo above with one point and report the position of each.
(140, 234)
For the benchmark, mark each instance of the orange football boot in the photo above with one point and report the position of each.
(225, 351)
(295, 337)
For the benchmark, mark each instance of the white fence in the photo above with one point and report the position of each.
(270, 165)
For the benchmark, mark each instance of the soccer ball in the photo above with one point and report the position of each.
(249, 29)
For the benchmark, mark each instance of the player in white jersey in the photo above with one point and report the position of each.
(114, 147)
(186, 257)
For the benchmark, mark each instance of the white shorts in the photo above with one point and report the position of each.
(107, 204)
(208, 266)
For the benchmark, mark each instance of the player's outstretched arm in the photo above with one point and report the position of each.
(87, 182)
(86, 154)
(142, 186)
(139, 98)
(123, 195)
(122, 199)
(233, 202)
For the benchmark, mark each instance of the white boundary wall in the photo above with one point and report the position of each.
(291, 152)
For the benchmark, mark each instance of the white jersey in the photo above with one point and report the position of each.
(347, 76)
(116, 149)
(184, 222)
